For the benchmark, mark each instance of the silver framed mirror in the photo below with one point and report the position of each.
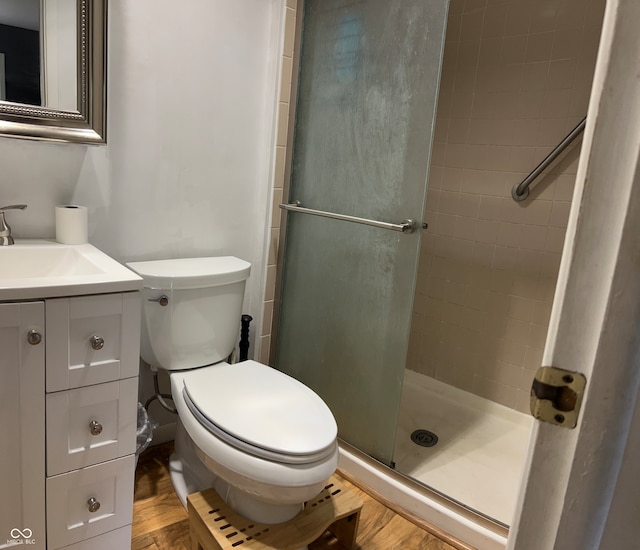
(85, 120)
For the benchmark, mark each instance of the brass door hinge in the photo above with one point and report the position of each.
(556, 396)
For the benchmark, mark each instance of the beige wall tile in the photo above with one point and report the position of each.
(265, 343)
(509, 375)
(518, 19)
(275, 213)
(448, 202)
(281, 157)
(521, 308)
(435, 178)
(283, 124)
(451, 179)
(446, 224)
(517, 332)
(539, 47)
(527, 285)
(534, 77)
(559, 215)
(270, 283)
(289, 32)
(458, 130)
(483, 255)
(594, 15)
(456, 7)
(268, 316)
(513, 49)
(490, 52)
(566, 44)
(545, 289)
(472, 24)
(541, 312)
(534, 237)
(468, 205)
(555, 239)
(550, 264)
(562, 74)
(571, 14)
(285, 79)
(537, 212)
(522, 400)
(494, 391)
(454, 25)
(532, 358)
(556, 103)
(475, 6)
(274, 239)
(543, 16)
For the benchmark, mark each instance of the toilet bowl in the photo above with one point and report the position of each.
(266, 442)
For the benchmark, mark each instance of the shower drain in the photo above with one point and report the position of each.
(425, 438)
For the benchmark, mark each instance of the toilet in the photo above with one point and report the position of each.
(265, 441)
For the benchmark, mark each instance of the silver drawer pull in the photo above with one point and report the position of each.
(34, 337)
(97, 342)
(95, 427)
(162, 300)
(93, 505)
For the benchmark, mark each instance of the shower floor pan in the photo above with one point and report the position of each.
(481, 448)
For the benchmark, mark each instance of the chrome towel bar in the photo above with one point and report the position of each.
(406, 226)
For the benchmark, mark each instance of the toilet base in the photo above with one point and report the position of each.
(189, 475)
(215, 526)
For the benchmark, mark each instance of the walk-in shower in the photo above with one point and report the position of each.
(467, 300)
(516, 78)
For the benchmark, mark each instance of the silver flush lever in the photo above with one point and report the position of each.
(162, 300)
(5, 228)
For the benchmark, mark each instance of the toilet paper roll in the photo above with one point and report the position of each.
(71, 224)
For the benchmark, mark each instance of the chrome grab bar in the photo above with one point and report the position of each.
(406, 226)
(520, 190)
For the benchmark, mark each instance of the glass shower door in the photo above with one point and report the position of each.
(366, 101)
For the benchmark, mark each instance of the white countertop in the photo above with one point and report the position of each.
(31, 269)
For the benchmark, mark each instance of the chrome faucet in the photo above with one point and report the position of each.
(5, 229)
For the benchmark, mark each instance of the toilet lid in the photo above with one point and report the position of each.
(261, 410)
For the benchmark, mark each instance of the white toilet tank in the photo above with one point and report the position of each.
(191, 310)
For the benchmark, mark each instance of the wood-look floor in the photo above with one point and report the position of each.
(160, 522)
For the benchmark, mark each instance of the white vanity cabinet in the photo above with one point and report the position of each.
(69, 359)
(92, 362)
(68, 413)
(22, 430)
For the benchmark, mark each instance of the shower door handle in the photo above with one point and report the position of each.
(405, 226)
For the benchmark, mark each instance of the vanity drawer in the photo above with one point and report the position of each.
(120, 539)
(70, 498)
(92, 339)
(89, 425)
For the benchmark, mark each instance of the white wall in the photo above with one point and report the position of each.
(58, 63)
(187, 169)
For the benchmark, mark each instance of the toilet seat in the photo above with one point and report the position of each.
(261, 411)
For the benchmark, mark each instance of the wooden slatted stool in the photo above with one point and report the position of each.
(214, 526)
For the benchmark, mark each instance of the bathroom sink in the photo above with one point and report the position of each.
(43, 269)
(20, 261)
